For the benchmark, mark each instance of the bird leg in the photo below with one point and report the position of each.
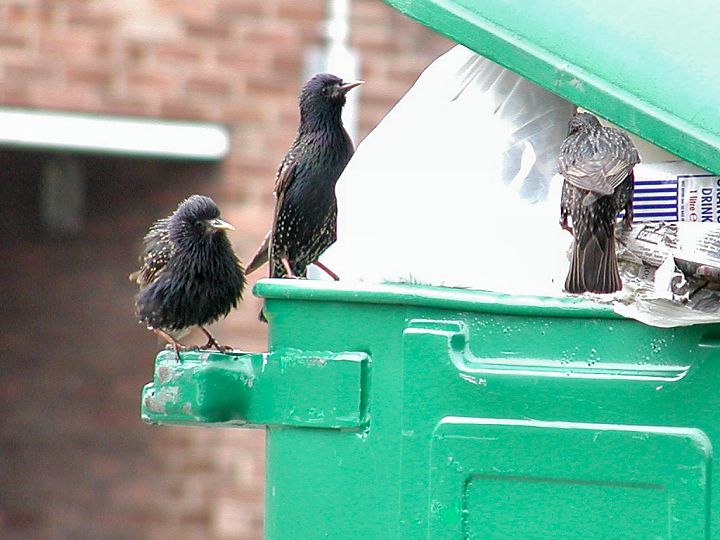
(212, 342)
(325, 269)
(564, 223)
(176, 345)
(288, 270)
(629, 215)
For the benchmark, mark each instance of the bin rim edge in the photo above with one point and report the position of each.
(432, 297)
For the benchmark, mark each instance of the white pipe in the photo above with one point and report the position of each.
(338, 58)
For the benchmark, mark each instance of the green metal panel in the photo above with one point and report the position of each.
(647, 65)
(463, 414)
(570, 480)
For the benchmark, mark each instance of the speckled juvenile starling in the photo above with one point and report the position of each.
(189, 275)
(597, 164)
(305, 220)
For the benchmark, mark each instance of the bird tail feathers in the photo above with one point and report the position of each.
(594, 267)
(261, 255)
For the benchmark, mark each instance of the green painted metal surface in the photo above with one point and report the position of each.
(490, 417)
(647, 65)
(464, 415)
(257, 389)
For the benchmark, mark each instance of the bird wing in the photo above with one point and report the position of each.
(156, 253)
(599, 166)
(283, 179)
(285, 171)
(286, 176)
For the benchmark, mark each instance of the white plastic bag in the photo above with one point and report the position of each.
(447, 189)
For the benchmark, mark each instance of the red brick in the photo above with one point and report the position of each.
(29, 70)
(91, 16)
(198, 518)
(135, 53)
(67, 98)
(369, 12)
(14, 95)
(211, 85)
(262, 169)
(272, 36)
(173, 53)
(125, 106)
(150, 82)
(271, 84)
(17, 13)
(247, 111)
(243, 58)
(183, 109)
(76, 46)
(243, 8)
(10, 39)
(208, 30)
(305, 11)
(376, 38)
(289, 115)
(98, 75)
(99, 472)
(288, 60)
(184, 10)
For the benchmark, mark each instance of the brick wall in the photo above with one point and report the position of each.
(75, 460)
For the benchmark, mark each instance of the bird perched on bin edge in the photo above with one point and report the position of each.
(189, 275)
(597, 164)
(305, 219)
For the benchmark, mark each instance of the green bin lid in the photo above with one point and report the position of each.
(650, 66)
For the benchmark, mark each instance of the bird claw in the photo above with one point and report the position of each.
(218, 347)
(212, 343)
(289, 274)
(179, 347)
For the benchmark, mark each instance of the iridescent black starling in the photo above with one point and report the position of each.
(190, 275)
(597, 164)
(305, 220)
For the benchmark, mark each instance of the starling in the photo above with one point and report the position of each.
(597, 164)
(189, 275)
(305, 220)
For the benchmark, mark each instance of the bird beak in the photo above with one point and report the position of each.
(220, 225)
(345, 88)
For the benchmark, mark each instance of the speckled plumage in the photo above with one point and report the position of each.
(189, 274)
(597, 165)
(305, 220)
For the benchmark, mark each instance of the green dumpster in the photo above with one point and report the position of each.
(409, 412)
(418, 412)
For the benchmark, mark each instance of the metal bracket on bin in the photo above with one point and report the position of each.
(285, 387)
